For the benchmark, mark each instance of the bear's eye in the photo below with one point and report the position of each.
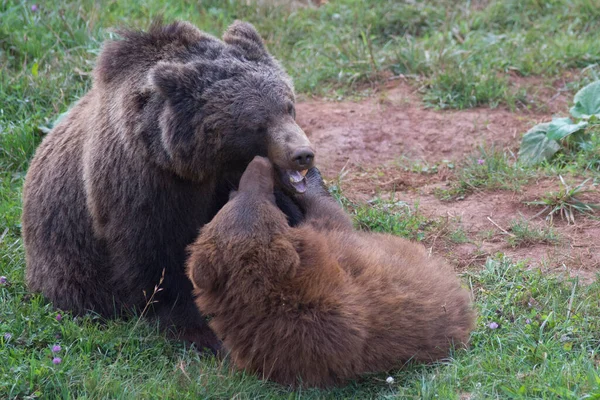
(291, 110)
(262, 130)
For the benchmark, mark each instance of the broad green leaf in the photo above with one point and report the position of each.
(560, 128)
(536, 147)
(587, 101)
(583, 140)
(34, 69)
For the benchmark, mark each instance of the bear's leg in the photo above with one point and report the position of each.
(65, 261)
(170, 295)
(184, 321)
(145, 234)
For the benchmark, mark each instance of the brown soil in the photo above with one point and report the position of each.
(371, 147)
(394, 124)
(545, 95)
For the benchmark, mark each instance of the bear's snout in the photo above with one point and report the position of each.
(303, 157)
(289, 148)
(291, 152)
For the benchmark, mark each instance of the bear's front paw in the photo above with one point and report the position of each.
(314, 182)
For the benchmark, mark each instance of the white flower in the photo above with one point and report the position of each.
(389, 380)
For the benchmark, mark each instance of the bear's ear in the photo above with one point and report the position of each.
(179, 82)
(172, 80)
(246, 38)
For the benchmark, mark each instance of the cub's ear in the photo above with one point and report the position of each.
(200, 265)
(245, 37)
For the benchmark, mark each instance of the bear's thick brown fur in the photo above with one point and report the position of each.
(123, 183)
(319, 303)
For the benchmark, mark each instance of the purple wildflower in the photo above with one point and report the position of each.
(34, 7)
(527, 321)
(7, 336)
(56, 348)
(3, 280)
(56, 360)
(58, 317)
(493, 325)
(480, 161)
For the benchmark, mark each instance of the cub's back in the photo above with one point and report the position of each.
(416, 304)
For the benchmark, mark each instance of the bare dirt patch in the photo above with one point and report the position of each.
(469, 230)
(380, 146)
(394, 124)
(548, 95)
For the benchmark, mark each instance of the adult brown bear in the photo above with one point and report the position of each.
(123, 183)
(319, 303)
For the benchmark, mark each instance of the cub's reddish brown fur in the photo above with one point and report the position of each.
(319, 304)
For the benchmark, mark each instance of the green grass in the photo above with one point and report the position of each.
(546, 345)
(461, 54)
(396, 217)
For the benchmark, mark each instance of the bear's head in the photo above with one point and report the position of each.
(225, 103)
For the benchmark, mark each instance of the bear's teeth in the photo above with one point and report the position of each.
(295, 176)
(296, 180)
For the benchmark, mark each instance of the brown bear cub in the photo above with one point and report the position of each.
(319, 304)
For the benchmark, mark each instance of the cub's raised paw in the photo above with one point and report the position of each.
(315, 184)
(258, 176)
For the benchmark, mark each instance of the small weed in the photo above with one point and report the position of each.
(396, 217)
(486, 234)
(458, 236)
(522, 233)
(587, 75)
(565, 202)
(379, 215)
(490, 169)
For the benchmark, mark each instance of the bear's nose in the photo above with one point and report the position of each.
(304, 157)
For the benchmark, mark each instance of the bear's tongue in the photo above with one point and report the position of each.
(297, 180)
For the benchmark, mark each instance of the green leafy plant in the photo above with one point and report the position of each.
(544, 140)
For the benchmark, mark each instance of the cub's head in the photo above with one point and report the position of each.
(222, 103)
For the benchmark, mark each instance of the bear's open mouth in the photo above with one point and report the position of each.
(294, 179)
